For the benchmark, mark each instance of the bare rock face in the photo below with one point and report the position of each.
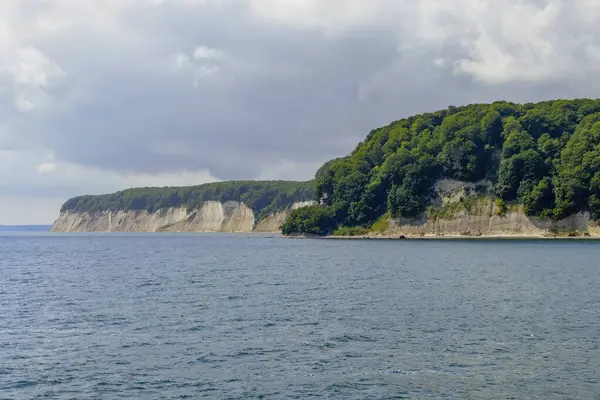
(459, 210)
(213, 216)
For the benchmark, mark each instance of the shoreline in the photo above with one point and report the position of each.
(445, 237)
(279, 235)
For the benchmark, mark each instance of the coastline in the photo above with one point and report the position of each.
(279, 235)
(445, 237)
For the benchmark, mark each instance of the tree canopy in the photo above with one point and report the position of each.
(263, 197)
(545, 156)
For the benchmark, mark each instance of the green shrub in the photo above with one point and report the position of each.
(350, 231)
(312, 220)
(382, 224)
(501, 207)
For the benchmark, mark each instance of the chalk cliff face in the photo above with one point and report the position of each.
(482, 220)
(213, 216)
(459, 211)
(272, 222)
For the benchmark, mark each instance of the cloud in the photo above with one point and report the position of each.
(206, 53)
(527, 42)
(332, 17)
(201, 64)
(26, 72)
(38, 174)
(291, 170)
(181, 60)
(493, 42)
(97, 95)
(46, 168)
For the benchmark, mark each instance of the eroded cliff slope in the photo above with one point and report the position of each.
(233, 206)
(459, 210)
(213, 216)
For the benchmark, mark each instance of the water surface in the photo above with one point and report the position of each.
(115, 316)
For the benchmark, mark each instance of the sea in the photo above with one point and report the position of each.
(219, 316)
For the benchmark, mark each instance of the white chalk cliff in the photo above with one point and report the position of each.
(463, 213)
(213, 216)
(466, 214)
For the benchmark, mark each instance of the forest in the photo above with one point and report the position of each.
(263, 197)
(544, 156)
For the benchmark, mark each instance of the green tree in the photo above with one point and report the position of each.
(517, 141)
(314, 220)
(525, 166)
(539, 201)
(594, 199)
(491, 127)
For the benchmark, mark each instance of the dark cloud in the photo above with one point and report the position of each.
(266, 91)
(276, 95)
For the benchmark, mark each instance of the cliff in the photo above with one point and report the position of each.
(486, 224)
(482, 169)
(541, 162)
(212, 216)
(233, 206)
(458, 210)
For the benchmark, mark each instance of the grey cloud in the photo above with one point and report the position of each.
(286, 96)
(279, 94)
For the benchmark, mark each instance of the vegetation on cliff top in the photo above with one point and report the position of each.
(545, 156)
(263, 197)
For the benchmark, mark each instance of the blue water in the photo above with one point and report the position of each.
(24, 228)
(153, 316)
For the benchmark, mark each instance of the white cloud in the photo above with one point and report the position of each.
(23, 104)
(331, 16)
(32, 67)
(181, 60)
(521, 42)
(500, 41)
(206, 53)
(187, 3)
(46, 168)
(202, 72)
(26, 71)
(203, 62)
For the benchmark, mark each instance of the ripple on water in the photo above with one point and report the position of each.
(219, 316)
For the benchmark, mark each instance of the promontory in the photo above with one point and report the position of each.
(499, 169)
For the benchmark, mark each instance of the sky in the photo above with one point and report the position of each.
(102, 95)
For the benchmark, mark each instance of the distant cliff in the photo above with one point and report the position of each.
(236, 206)
(231, 216)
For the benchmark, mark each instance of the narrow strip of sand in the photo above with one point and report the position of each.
(445, 237)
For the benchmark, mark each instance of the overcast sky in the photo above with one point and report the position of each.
(101, 95)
